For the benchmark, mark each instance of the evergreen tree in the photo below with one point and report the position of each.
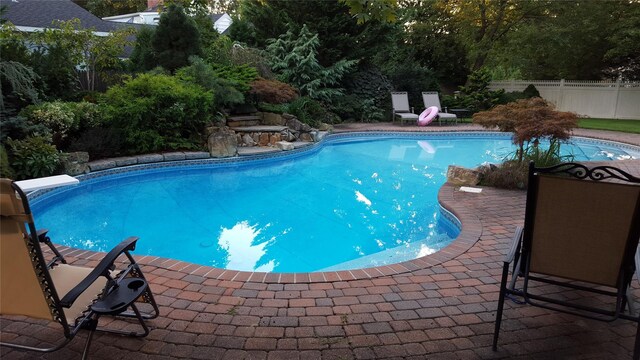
(175, 39)
(294, 57)
(143, 57)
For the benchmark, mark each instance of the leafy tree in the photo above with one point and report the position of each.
(482, 24)
(57, 72)
(215, 48)
(16, 78)
(432, 40)
(143, 57)
(104, 8)
(567, 43)
(577, 39)
(85, 49)
(219, 51)
(623, 57)
(294, 58)
(366, 10)
(176, 38)
(340, 35)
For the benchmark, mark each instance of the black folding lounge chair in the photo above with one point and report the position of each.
(581, 232)
(73, 296)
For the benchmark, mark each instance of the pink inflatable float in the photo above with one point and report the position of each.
(427, 116)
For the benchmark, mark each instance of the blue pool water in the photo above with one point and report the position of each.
(352, 202)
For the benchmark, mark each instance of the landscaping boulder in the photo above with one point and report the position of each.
(284, 145)
(76, 163)
(297, 125)
(461, 176)
(325, 127)
(272, 119)
(247, 140)
(223, 143)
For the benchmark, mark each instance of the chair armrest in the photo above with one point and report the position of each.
(517, 237)
(103, 268)
(637, 258)
(42, 235)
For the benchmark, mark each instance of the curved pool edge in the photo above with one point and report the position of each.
(307, 150)
(469, 234)
(470, 231)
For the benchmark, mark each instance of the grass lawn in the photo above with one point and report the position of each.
(630, 126)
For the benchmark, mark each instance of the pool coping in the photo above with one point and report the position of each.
(470, 231)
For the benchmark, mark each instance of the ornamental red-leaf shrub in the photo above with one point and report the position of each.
(273, 91)
(529, 120)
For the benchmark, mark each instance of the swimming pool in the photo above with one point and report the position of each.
(353, 201)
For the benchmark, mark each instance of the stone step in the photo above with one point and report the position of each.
(243, 120)
(263, 128)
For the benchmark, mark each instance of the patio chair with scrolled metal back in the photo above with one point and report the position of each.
(401, 109)
(431, 98)
(580, 233)
(73, 296)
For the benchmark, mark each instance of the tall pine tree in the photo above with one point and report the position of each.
(175, 39)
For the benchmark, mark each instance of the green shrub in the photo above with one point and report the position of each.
(87, 114)
(476, 95)
(347, 107)
(99, 142)
(17, 127)
(531, 91)
(201, 73)
(159, 112)
(243, 55)
(368, 97)
(413, 79)
(273, 108)
(527, 93)
(33, 157)
(62, 120)
(240, 76)
(57, 116)
(513, 173)
(218, 50)
(5, 169)
(310, 111)
(509, 175)
(545, 157)
(512, 96)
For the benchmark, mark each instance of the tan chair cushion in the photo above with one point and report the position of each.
(65, 277)
(581, 228)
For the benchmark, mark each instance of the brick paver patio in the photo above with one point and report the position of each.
(444, 309)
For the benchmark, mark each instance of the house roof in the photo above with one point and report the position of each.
(215, 17)
(43, 13)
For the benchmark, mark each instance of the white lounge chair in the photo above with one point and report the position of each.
(431, 98)
(401, 109)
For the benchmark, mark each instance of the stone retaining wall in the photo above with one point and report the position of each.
(145, 159)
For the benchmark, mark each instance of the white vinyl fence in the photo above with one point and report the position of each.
(596, 99)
